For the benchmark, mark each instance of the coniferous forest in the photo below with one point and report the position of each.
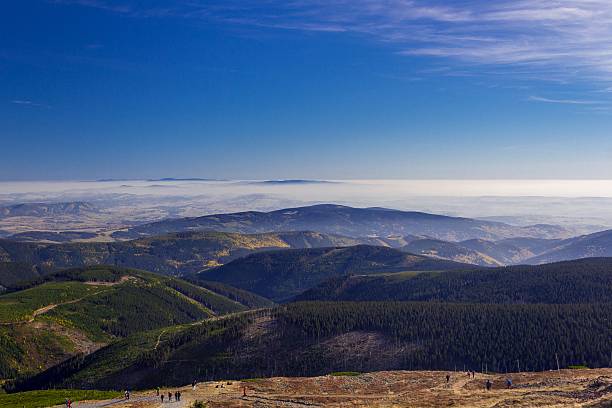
(315, 338)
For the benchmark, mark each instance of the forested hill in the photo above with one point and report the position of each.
(279, 275)
(579, 281)
(11, 273)
(306, 339)
(348, 221)
(79, 310)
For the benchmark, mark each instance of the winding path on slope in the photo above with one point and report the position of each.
(45, 309)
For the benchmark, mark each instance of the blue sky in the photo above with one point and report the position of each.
(305, 89)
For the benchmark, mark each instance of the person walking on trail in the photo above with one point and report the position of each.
(488, 385)
(193, 384)
(176, 397)
(162, 398)
(157, 391)
(127, 395)
(508, 382)
(447, 378)
(178, 393)
(169, 396)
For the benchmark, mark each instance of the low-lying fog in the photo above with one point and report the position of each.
(566, 202)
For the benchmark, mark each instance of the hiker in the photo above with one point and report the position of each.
(176, 397)
(447, 378)
(193, 384)
(127, 395)
(488, 384)
(162, 398)
(157, 391)
(169, 396)
(508, 382)
(473, 374)
(179, 395)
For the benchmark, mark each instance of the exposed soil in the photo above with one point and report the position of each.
(567, 388)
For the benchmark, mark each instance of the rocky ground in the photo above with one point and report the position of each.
(567, 388)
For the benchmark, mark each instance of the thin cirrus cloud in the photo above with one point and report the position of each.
(535, 98)
(570, 39)
(25, 102)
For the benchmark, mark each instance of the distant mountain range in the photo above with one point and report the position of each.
(293, 182)
(187, 245)
(184, 179)
(170, 254)
(482, 252)
(586, 246)
(348, 221)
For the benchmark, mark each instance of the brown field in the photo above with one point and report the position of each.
(567, 388)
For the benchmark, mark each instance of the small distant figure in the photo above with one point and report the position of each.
(508, 382)
(473, 374)
(157, 391)
(193, 384)
(162, 398)
(177, 396)
(244, 391)
(169, 396)
(127, 394)
(68, 403)
(447, 378)
(488, 385)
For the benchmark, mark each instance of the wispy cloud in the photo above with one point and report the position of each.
(545, 38)
(114, 6)
(26, 102)
(534, 98)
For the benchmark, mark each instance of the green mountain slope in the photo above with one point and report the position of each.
(580, 281)
(79, 310)
(318, 338)
(248, 299)
(279, 275)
